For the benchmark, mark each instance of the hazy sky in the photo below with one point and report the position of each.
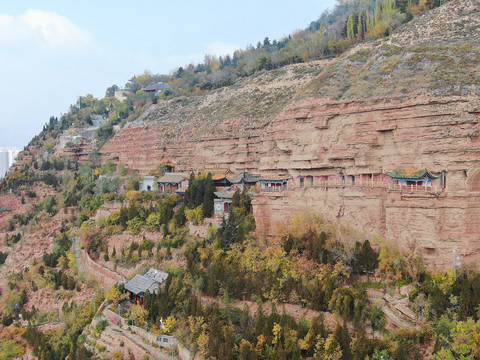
(53, 51)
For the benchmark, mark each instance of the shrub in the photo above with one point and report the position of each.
(134, 225)
(101, 325)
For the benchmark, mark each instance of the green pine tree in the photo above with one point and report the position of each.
(208, 196)
(350, 33)
(106, 257)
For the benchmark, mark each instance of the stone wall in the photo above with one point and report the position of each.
(433, 225)
(104, 276)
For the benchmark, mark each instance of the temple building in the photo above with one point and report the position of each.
(173, 181)
(408, 177)
(223, 203)
(274, 182)
(140, 284)
(243, 180)
(147, 184)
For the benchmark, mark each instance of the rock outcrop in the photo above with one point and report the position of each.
(388, 105)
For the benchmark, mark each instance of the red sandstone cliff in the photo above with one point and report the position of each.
(389, 105)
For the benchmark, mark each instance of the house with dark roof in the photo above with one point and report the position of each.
(243, 180)
(220, 180)
(223, 202)
(220, 177)
(181, 191)
(173, 181)
(274, 182)
(140, 284)
(156, 88)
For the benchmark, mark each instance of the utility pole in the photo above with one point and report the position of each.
(455, 264)
(146, 333)
(172, 349)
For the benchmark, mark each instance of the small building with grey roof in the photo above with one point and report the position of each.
(243, 180)
(173, 181)
(223, 203)
(156, 88)
(140, 284)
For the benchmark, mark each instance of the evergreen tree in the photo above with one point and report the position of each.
(200, 192)
(179, 217)
(236, 198)
(227, 232)
(106, 257)
(342, 337)
(190, 194)
(350, 32)
(208, 196)
(245, 202)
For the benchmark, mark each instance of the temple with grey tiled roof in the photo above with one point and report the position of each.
(173, 181)
(140, 284)
(156, 88)
(243, 180)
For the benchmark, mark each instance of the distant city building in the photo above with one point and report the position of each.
(7, 158)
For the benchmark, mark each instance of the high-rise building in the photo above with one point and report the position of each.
(7, 158)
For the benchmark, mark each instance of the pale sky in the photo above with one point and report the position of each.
(52, 51)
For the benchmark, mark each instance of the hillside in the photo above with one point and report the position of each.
(436, 53)
(392, 104)
(342, 261)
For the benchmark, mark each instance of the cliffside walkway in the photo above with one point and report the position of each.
(387, 186)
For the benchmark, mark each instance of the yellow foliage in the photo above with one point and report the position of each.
(277, 330)
(169, 325)
(303, 344)
(139, 315)
(21, 330)
(319, 347)
(332, 350)
(202, 342)
(261, 341)
(72, 264)
(341, 271)
(108, 196)
(246, 344)
(62, 262)
(443, 280)
(216, 66)
(195, 215)
(155, 329)
(133, 195)
(114, 295)
(305, 56)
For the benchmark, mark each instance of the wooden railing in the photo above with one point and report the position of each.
(360, 184)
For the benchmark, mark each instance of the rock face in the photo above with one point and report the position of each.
(423, 112)
(357, 138)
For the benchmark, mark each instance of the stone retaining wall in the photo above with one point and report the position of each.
(104, 276)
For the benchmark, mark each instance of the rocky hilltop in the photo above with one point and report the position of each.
(410, 101)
